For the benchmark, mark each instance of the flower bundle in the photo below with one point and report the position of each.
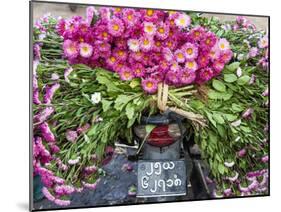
(81, 106)
(156, 46)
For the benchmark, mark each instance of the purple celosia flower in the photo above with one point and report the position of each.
(149, 85)
(86, 50)
(234, 178)
(241, 153)
(265, 93)
(84, 128)
(215, 195)
(227, 192)
(253, 79)
(254, 185)
(49, 93)
(90, 169)
(35, 97)
(190, 51)
(74, 161)
(70, 49)
(37, 51)
(67, 72)
(43, 115)
(46, 132)
(71, 135)
(265, 159)
(116, 27)
(91, 185)
(54, 149)
(48, 195)
(61, 202)
(90, 13)
(248, 113)
(64, 190)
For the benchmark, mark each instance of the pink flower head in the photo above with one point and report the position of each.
(225, 56)
(126, 74)
(60, 27)
(173, 77)
(171, 43)
(218, 66)
(162, 31)
(209, 40)
(183, 21)
(263, 42)
(120, 54)
(190, 51)
(101, 33)
(43, 115)
(174, 66)
(191, 65)
(48, 194)
(70, 49)
(149, 85)
(187, 77)
(149, 28)
(265, 159)
(117, 11)
(90, 13)
(86, 50)
(111, 61)
(71, 135)
(197, 33)
(253, 52)
(205, 74)
(61, 202)
(223, 44)
(47, 133)
(146, 43)
(168, 55)
(179, 56)
(49, 92)
(203, 60)
(134, 45)
(150, 15)
(102, 46)
(241, 153)
(248, 113)
(104, 14)
(64, 190)
(130, 17)
(138, 70)
(116, 27)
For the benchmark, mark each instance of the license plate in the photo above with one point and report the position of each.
(161, 178)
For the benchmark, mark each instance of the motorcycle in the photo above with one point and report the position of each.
(170, 166)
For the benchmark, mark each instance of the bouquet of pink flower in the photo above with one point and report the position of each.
(94, 78)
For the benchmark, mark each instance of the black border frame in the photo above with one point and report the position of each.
(31, 108)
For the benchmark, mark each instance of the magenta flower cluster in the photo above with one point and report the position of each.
(154, 45)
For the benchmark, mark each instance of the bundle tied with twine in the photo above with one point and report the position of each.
(162, 100)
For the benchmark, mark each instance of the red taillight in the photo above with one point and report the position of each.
(162, 135)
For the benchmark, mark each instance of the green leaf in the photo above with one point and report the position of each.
(221, 168)
(219, 86)
(212, 94)
(230, 78)
(246, 129)
(218, 118)
(221, 131)
(230, 117)
(121, 101)
(198, 105)
(243, 80)
(233, 66)
(106, 104)
(237, 108)
(130, 111)
(135, 82)
(209, 116)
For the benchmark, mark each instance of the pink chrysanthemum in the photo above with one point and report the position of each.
(149, 85)
(223, 44)
(263, 42)
(117, 11)
(225, 56)
(134, 45)
(209, 40)
(90, 13)
(111, 61)
(203, 60)
(168, 55)
(126, 74)
(187, 76)
(120, 54)
(130, 17)
(179, 56)
(150, 15)
(190, 51)
(191, 65)
(149, 28)
(205, 74)
(164, 65)
(146, 43)
(214, 53)
(197, 33)
(85, 50)
(60, 27)
(104, 13)
(175, 66)
(137, 55)
(183, 21)
(171, 43)
(102, 46)
(173, 77)
(138, 70)
(70, 49)
(120, 42)
(158, 44)
(162, 31)
(116, 27)
(101, 33)
(218, 66)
